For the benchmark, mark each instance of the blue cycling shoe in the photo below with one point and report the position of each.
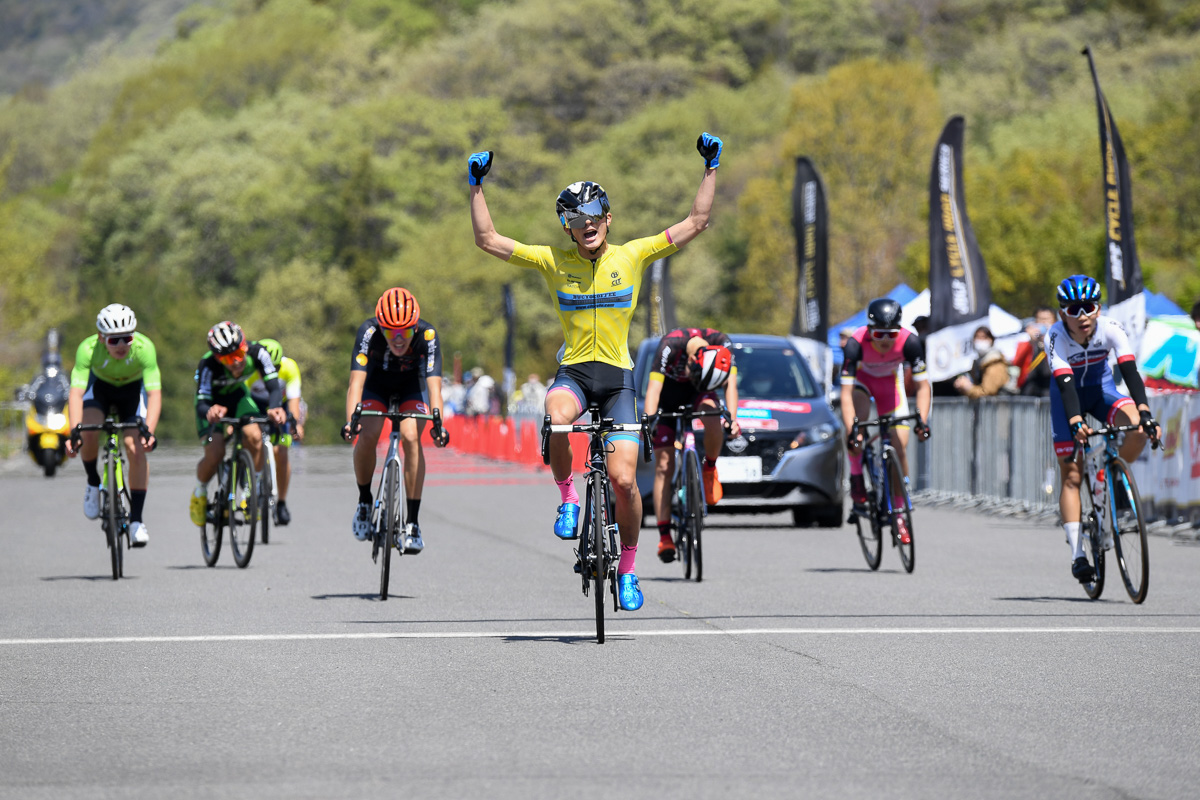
(628, 592)
(567, 522)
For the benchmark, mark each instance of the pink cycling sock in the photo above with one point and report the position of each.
(567, 490)
(628, 556)
(856, 463)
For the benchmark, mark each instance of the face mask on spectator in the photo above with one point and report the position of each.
(982, 345)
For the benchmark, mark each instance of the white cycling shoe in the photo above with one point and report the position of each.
(362, 522)
(138, 535)
(413, 543)
(91, 502)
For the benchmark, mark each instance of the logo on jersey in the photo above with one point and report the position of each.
(361, 359)
(616, 278)
(429, 334)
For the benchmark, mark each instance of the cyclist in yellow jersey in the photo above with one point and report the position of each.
(594, 285)
(289, 376)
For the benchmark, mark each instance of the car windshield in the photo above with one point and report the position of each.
(771, 373)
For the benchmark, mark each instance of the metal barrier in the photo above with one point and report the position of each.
(12, 428)
(992, 452)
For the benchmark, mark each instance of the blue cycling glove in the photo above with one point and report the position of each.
(477, 166)
(710, 147)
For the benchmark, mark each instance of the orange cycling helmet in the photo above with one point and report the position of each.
(397, 308)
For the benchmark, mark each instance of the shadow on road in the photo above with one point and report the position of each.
(87, 577)
(361, 596)
(854, 569)
(554, 639)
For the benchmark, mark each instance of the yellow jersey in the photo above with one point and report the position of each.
(595, 299)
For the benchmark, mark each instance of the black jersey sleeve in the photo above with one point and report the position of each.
(431, 362)
(362, 346)
(267, 371)
(914, 354)
(852, 354)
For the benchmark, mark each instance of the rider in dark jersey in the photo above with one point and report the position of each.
(396, 355)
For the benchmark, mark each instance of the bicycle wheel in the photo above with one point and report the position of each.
(683, 540)
(112, 515)
(243, 509)
(1089, 532)
(214, 519)
(1129, 529)
(598, 546)
(389, 524)
(899, 515)
(694, 512)
(870, 533)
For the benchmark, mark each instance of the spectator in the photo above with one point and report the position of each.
(454, 398)
(989, 372)
(479, 395)
(1034, 376)
(532, 393)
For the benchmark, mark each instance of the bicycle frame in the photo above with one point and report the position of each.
(597, 556)
(112, 490)
(688, 524)
(874, 448)
(384, 536)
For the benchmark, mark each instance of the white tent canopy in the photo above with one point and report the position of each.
(1000, 321)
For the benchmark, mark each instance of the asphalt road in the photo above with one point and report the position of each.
(791, 671)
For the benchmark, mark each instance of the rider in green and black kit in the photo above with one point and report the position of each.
(116, 370)
(221, 390)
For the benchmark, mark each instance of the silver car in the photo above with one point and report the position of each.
(790, 454)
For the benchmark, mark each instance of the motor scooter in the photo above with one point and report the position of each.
(46, 425)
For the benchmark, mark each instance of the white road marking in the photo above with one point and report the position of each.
(581, 634)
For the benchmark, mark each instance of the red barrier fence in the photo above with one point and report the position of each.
(516, 440)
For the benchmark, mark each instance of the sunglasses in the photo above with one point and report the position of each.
(1080, 309)
(399, 333)
(884, 334)
(229, 359)
(124, 339)
(578, 221)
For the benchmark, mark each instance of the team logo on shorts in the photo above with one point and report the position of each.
(361, 359)
(422, 408)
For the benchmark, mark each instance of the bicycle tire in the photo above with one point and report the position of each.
(388, 523)
(265, 505)
(212, 534)
(599, 523)
(899, 518)
(1089, 531)
(1129, 537)
(695, 512)
(683, 542)
(112, 515)
(243, 509)
(870, 532)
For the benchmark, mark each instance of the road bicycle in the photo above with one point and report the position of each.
(599, 550)
(236, 503)
(387, 516)
(888, 501)
(688, 502)
(114, 494)
(1112, 518)
(268, 486)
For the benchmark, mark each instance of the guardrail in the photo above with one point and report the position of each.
(996, 454)
(12, 428)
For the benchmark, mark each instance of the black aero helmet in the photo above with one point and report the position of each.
(883, 314)
(581, 199)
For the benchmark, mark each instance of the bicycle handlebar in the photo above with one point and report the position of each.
(241, 422)
(887, 419)
(1110, 432)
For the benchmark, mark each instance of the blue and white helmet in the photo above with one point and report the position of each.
(1078, 289)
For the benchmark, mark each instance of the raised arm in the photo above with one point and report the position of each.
(697, 220)
(486, 237)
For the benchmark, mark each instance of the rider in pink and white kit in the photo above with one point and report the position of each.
(874, 368)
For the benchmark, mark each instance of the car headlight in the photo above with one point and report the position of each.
(814, 435)
(56, 421)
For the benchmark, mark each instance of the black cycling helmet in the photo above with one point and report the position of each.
(581, 199)
(883, 314)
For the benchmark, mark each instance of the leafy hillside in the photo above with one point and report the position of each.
(280, 162)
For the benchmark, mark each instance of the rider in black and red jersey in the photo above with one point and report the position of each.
(691, 365)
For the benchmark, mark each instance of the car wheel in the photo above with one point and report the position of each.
(817, 516)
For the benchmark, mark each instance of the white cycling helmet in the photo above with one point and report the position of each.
(116, 319)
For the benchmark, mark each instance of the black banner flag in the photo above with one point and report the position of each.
(1122, 268)
(960, 296)
(660, 308)
(510, 329)
(810, 223)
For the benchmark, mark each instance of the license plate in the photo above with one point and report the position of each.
(739, 469)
